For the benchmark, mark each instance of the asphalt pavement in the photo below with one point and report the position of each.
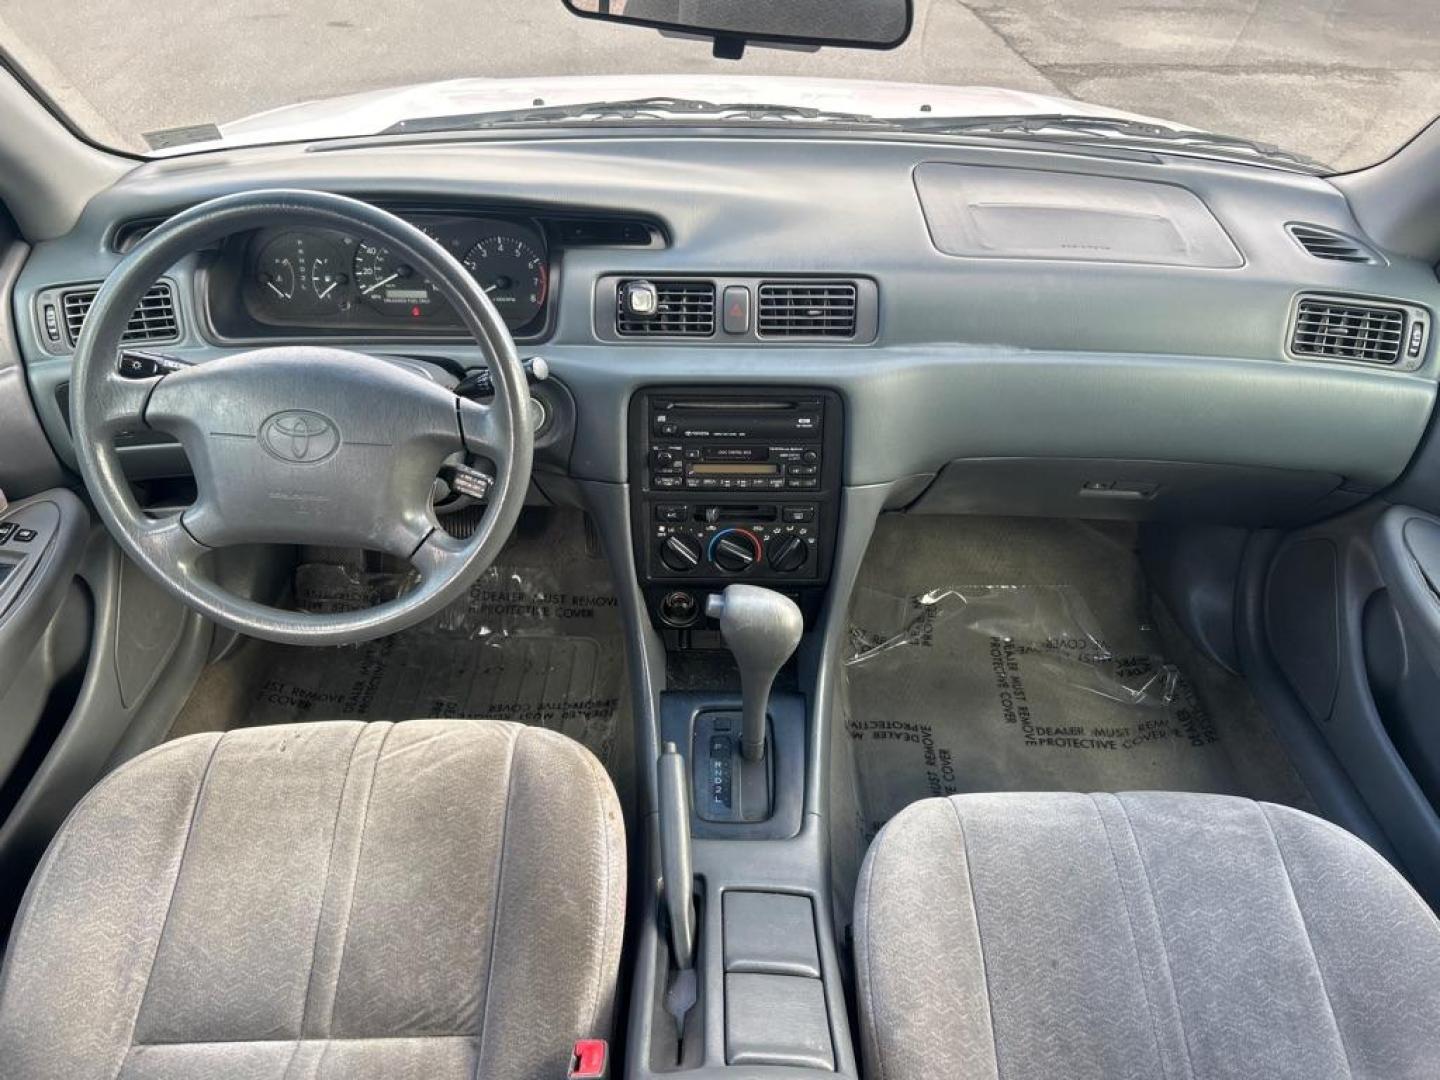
(1344, 81)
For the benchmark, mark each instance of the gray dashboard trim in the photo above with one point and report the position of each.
(974, 356)
(47, 175)
(27, 464)
(1398, 201)
(912, 409)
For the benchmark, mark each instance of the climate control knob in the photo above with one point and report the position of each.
(680, 552)
(735, 550)
(786, 554)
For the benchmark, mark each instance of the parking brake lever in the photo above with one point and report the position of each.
(679, 876)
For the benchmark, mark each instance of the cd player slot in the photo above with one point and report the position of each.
(733, 405)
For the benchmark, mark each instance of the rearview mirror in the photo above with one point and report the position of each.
(856, 24)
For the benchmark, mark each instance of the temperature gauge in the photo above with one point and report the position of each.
(302, 273)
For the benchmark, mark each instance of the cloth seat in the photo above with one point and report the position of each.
(430, 899)
(1150, 935)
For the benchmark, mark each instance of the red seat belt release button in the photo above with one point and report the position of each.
(591, 1059)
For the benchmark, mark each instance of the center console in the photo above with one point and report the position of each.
(735, 500)
(732, 485)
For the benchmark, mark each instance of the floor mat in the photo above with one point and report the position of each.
(1024, 655)
(538, 639)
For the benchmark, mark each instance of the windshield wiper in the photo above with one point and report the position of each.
(1066, 125)
(651, 108)
(1059, 126)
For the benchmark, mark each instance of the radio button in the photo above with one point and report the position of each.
(667, 481)
(806, 483)
(810, 456)
(802, 470)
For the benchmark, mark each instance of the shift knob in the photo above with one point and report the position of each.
(761, 628)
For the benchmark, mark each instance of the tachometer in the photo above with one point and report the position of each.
(389, 284)
(513, 274)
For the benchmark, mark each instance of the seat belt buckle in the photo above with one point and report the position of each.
(590, 1060)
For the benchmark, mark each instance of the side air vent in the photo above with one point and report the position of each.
(682, 308)
(1329, 244)
(153, 320)
(812, 309)
(1334, 329)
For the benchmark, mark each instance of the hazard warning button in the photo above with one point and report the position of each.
(736, 316)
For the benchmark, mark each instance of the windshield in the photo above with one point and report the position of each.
(1340, 82)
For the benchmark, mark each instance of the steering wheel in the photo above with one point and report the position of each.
(301, 444)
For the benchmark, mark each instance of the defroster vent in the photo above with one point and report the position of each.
(807, 309)
(1330, 245)
(153, 320)
(683, 308)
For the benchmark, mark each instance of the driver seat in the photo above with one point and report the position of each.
(431, 899)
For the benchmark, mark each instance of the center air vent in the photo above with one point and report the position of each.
(819, 309)
(153, 320)
(683, 308)
(1334, 329)
(1329, 244)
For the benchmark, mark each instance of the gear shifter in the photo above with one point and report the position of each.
(761, 628)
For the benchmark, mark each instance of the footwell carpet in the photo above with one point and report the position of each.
(538, 639)
(1026, 655)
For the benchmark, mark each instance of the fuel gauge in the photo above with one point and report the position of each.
(328, 277)
(301, 273)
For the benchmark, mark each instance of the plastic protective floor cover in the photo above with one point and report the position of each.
(538, 640)
(1024, 655)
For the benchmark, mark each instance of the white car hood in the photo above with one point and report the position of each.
(374, 111)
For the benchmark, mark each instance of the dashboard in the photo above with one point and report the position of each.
(1005, 330)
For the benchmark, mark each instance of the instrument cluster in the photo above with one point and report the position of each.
(320, 281)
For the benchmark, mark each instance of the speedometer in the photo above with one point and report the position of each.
(513, 274)
(389, 284)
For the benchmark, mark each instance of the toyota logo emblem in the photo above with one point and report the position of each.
(299, 436)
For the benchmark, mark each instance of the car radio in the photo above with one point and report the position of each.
(733, 485)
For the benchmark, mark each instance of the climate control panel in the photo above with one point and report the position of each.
(733, 485)
(687, 542)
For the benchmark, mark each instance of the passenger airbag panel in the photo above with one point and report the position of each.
(977, 210)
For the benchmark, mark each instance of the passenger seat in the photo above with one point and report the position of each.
(1144, 935)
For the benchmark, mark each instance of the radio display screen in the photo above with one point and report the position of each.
(714, 468)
